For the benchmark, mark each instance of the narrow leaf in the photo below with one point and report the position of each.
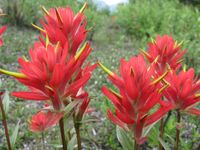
(164, 144)
(14, 135)
(124, 139)
(72, 143)
(70, 106)
(6, 102)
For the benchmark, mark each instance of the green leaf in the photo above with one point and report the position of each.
(125, 140)
(14, 135)
(164, 144)
(148, 129)
(57, 146)
(70, 106)
(72, 143)
(6, 102)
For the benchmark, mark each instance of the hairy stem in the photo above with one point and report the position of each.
(62, 132)
(136, 146)
(177, 131)
(5, 125)
(162, 128)
(43, 141)
(77, 129)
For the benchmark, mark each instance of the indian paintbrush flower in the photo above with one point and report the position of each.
(44, 120)
(137, 94)
(183, 92)
(62, 25)
(165, 53)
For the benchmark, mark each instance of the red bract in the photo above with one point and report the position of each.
(2, 30)
(63, 25)
(44, 120)
(183, 92)
(165, 52)
(50, 76)
(138, 94)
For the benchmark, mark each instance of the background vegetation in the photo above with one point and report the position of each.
(115, 34)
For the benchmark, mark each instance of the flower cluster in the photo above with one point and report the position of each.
(147, 91)
(55, 73)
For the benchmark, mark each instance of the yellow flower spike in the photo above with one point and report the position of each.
(24, 57)
(197, 95)
(83, 8)
(180, 61)
(117, 94)
(106, 69)
(48, 87)
(144, 53)
(14, 74)
(184, 67)
(165, 86)
(156, 59)
(175, 45)
(160, 78)
(59, 18)
(44, 10)
(47, 41)
(152, 40)
(57, 46)
(40, 29)
(78, 54)
(181, 43)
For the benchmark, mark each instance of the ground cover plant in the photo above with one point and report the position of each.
(149, 101)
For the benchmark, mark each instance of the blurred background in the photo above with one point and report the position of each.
(119, 29)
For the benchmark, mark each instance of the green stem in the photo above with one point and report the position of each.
(43, 141)
(136, 146)
(5, 125)
(177, 131)
(162, 128)
(62, 132)
(161, 133)
(77, 130)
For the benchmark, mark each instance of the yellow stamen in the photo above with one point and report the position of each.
(180, 61)
(156, 59)
(14, 74)
(160, 78)
(59, 18)
(152, 40)
(35, 26)
(78, 54)
(24, 57)
(165, 86)
(197, 95)
(106, 69)
(117, 94)
(57, 46)
(48, 87)
(145, 53)
(44, 10)
(184, 67)
(179, 44)
(83, 8)
(47, 41)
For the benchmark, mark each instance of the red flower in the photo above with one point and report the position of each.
(50, 77)
(63, 25)
(183, 92)
(44, 120)
(164, 52)
(2, 30)
(137, 96)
